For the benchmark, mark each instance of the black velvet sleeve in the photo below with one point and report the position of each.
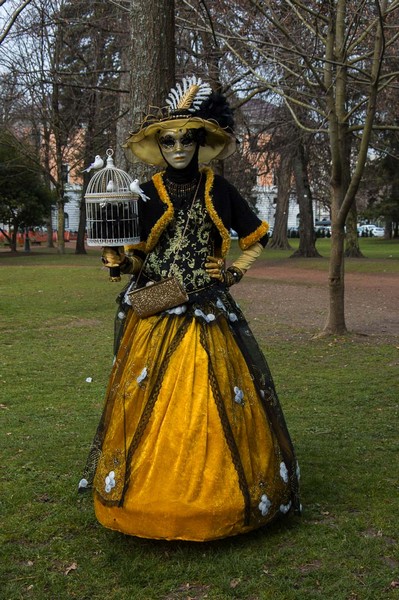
(236, 212)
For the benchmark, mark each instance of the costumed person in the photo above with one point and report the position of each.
(192, 443)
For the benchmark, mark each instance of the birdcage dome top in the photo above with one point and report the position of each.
(109, 181)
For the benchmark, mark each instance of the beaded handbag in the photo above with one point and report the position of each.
(161, 295)
(157, 297)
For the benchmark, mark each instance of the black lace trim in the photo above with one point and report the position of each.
(180, 192)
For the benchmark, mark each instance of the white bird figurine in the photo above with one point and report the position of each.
(97, 164)
(136, 189)
(110, 186)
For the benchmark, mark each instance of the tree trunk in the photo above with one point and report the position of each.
(307, 235)
(13, 241)
(279, 238)
(61, 225)
(352, 248)
(26, 240)
(80, 247)
(124, 123)
(152, 61)
(336, 316)
(90, 150)
(49, 227)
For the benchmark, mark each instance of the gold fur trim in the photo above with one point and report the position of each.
(210, 177)
(255, 236)
(129, 249)
(166, 218)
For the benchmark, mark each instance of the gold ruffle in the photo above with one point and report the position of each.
(255, 236)
(166, 218)
(210, 177)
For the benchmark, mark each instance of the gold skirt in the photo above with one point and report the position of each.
(187, 449)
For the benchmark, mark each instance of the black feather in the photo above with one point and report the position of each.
(218, 109)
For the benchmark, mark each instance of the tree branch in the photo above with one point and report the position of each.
(13, 19)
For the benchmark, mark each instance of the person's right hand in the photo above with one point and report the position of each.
(113, 257)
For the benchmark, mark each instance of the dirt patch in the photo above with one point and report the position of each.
(291, 298)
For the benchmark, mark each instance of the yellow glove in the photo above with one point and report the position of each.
(115, 258)
(248, 257)
(215, 267)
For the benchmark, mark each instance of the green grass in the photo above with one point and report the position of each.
(340, 401)
(379, 256)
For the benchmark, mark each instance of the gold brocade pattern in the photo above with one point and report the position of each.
(183, 255)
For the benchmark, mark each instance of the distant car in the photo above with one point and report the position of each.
(366, 230)
(378, 232)
(293, 232)
(323, 231)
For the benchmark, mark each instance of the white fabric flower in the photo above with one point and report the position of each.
(121, 315)
(83, 483)
(177, 310)
(238, 395)
(110, 481)
(298, 471)
(142, 375)
(233, 317)
(283, 472)
(220, 305)
(207, 318)
(264, 505)
(284, 508)
(126, 298)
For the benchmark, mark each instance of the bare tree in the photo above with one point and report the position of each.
(326, 61)
(10, 13)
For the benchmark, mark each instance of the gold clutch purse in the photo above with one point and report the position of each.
(157, 297)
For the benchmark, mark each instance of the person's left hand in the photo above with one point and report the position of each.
(215, 267)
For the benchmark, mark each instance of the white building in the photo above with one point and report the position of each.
(73, 193)
(266, 205)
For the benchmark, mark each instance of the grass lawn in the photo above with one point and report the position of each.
(340, 398)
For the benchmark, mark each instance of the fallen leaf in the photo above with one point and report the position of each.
(44, 498)
(71, 567)
(234, 583)
(394, 585)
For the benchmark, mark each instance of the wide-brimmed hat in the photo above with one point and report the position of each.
(191, 105)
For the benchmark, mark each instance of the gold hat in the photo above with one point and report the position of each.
(191, 105)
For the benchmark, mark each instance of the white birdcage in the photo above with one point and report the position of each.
(111, 208)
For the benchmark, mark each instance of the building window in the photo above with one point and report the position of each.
(65, 173)
(66, 217)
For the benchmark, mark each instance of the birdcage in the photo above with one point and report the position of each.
(111, 207)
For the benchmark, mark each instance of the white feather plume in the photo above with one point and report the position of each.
(189, 95)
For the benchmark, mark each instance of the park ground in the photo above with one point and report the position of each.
(340, 399)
